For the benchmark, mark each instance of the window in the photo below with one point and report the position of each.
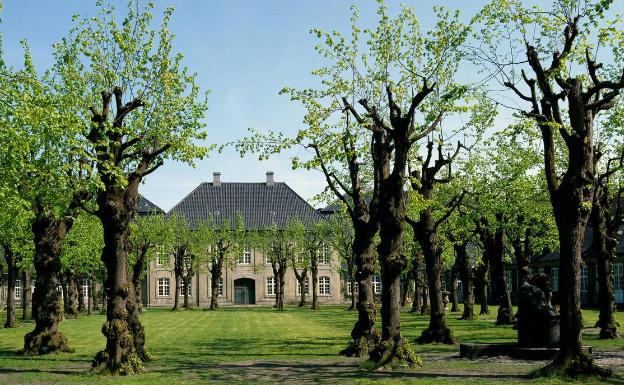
(584, 283)
(161, 256)
(219, 287)
(324, 255)
(443, 285)
(348, 283)
(324, 288)
(541, 270)
(509, 281)
(554, 278)
(376, 284)
(85, 289)
(163, 287)
(190, 291)
(618, 276)
(307, 287)
(245, 258)
(270, 286)
(17, 293)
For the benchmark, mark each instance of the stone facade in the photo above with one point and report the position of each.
(250, 280)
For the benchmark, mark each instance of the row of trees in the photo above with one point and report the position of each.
(405, 140)
(79, 137)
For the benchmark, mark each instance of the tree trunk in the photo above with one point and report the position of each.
(481, 281)
(424, 309)
(499, 290)
(10, 258)
(47, 301)
(281, 286)
(137, 275)
(364, 335)
(494, 248)
(314, 271)
(415, 273)
(605, 245)
(80, 290)
(425, 235)
(26, 295)
(466, 275)
(404, 290)
(90, 302)
(454, 300)
(302, 287)
(71, 309)
(352, 281)
(571, 202)
(122, 329)
(215, 278)
(393, 351)
(176, 295)
(186, 281)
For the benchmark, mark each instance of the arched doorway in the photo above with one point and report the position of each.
(244, 291)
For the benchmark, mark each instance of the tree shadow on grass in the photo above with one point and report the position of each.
(315, 371)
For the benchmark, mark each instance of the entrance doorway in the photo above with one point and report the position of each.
(244, 291)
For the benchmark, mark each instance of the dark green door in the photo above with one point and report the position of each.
(244, 291)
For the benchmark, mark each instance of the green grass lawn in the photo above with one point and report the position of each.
(261, 345)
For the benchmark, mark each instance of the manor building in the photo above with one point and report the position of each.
(250, 280)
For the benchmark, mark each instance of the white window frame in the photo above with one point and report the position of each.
(270, 286)
(377, 284)
(220, 287)
(324, 285)
(163, 283)
(85, 289)
(307, 287)
(324, 255)
(356, 286)
(160, 256)
(190, 288)
(17, 291)
(245, 258)
(554, 278)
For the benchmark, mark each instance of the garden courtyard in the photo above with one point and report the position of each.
(251, 345)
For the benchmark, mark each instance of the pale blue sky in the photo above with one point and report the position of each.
(244, 52)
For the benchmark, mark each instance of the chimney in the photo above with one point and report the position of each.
(216, 179)
(269, 178)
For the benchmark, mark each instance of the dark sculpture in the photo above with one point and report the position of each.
(538, 320)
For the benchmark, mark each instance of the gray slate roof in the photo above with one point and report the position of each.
(146, 207)
(260, 204)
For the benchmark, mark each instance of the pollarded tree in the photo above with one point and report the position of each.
(436, 200)
(149, 237)
(564, 102)
(608, 213)
(506, 206)
(219, 243)
(180, 236)
(149, 109)
(300, 262)
(16, 244)
(340, 237)
(315, 244)
(44, 163)
(82, 248)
